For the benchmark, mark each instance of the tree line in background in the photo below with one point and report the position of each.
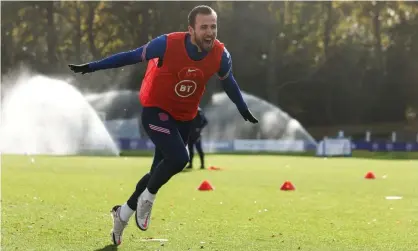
(325, 63)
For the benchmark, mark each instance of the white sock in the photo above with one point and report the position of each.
(148, 196)
(125, 212)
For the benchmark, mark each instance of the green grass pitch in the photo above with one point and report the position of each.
(63, 203)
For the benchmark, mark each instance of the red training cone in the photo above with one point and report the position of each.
(287, 186)
(214, 168)
(370, 175)
(205, 186)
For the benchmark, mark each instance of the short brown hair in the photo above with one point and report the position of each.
(200, 9)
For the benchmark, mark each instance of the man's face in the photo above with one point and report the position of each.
(204, 31)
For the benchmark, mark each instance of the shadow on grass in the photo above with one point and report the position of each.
(108, 248)
(192, 170)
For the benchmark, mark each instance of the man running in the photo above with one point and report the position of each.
(179, 66)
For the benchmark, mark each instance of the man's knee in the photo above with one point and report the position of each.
(180, 160)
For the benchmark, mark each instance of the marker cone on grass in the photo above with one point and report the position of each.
(370, 175)
(287, 186)
(205, 186)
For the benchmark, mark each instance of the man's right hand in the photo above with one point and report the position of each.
(83, 68)
(248, 116)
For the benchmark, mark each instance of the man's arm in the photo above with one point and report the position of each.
(231, 88)
(153, 49)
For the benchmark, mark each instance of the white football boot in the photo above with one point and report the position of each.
(118, 225)
(143, 213)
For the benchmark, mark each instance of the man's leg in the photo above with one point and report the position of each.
(130, 206)
(201, 153)
(190, 146)
(122, 214)
(165, 135)
(128, 210)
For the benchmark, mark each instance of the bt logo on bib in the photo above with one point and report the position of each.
(189, 77)
(185, 88)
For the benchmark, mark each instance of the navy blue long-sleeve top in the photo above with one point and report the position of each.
(156, 49)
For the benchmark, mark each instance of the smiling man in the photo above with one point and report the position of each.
(179, 66)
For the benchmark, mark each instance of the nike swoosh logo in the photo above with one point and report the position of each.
(145, 223)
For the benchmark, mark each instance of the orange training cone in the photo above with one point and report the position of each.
(214, 168)
(205, 186)
(287, 186)
(370, 175)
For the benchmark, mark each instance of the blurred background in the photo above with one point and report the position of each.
(332, 66)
